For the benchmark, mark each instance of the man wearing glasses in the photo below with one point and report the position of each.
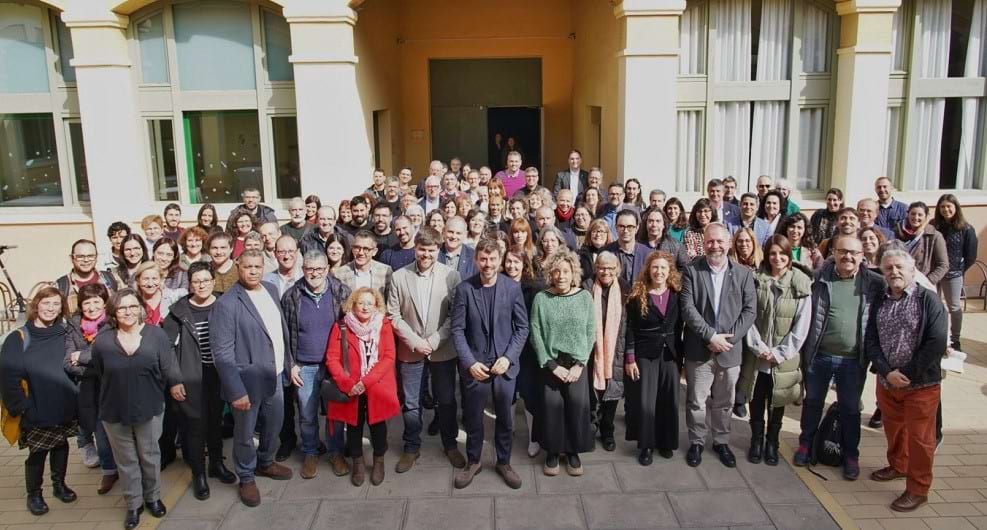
(83, 256)
(363, 270)
(311, 307)
(289, 269)
(628, 250)
(833, 350)
(763, 186)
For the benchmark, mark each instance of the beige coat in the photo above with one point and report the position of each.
(403, 305)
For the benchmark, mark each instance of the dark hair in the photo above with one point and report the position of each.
(92, 290)
(628, 213)
(683, 219)
(363, 233)
(123, 268)
(237, 214)
(714, 183)
(919, 204)
(642, 235)
(786, 249)
(835, 191)
(81, 242)
(427, 237)
(115, 299)
(640, 193)
(847, 209)
(172, 206)
(700, 204)
(528, 269)
(958, 222)
(118, 226)
(47, 291)
(750, 195)
(314, 199)
(219, 235)
(343, 242)
(176, 258)
(782, 203)
(200, 266)
(215, 217)
(487, 246)
(359, 199)
(787, 222)
(381, 205)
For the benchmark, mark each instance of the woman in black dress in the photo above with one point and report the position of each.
(518, 267)
(652, 356)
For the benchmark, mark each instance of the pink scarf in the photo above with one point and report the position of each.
(91, 327)
(369, 335)
(606, 334)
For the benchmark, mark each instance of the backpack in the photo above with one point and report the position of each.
(10, 425)
(827, 446)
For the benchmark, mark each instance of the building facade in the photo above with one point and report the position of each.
(110, 109)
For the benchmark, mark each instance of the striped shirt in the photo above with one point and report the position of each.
(200, 321)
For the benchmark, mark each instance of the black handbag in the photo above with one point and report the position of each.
(329, 390)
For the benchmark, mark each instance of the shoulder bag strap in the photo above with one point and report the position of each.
(345, 347)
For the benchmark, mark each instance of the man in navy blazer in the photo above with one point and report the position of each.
(628, 250)
(489, 327)
(453, 252)
(575, 178)
(248, 335)
(726, 213)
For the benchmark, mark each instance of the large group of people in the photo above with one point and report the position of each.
(475, 287)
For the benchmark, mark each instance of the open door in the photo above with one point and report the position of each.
(523, 125)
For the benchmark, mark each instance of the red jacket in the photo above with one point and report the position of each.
(381, 382)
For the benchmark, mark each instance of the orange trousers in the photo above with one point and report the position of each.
(910, 427)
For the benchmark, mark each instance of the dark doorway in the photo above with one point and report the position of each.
(523, 124)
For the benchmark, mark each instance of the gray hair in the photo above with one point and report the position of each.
(254, 236)
(432, 180)
(456, 220)
(413, 209)
(296, 201)
(716, 226)
(315, 255)
(606, 257)
(563, 255)
(901, 254)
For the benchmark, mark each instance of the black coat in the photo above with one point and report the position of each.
(83, 372)
(181, 332)
(52, 394)
(924, 366)
(653, 336)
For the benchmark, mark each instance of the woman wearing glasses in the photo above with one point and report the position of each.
(135, 363)
(201, 412)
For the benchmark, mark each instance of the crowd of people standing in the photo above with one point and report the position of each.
(475, 287)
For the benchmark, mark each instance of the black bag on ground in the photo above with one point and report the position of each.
(827, 448)
(329, 390)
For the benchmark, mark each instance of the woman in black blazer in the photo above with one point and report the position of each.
(651, 356)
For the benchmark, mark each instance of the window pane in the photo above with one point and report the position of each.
(900, 27)
(817, 44)
(689, 174)
(286, 165)
(731, 149)
(65, 51)
(215, 46)
(23, 66)
(223, 154)
(29, 174)
(692, 40)
(892, 144)
(162, 137)
(936, 21)
(769, 136)
(154, 58)
(812, 130)
(929, 116)
(79, 161)
(732, 45)
(278, 46)
(772, 29)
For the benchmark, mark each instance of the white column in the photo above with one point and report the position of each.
(646, 91)
(119, 182)
(863, 66)
(334, 147)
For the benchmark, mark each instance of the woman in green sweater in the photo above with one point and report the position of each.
(562, 333)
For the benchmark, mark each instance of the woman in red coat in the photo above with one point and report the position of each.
(370, 381)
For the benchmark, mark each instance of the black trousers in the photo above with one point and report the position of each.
(658, 400)
(564, 421)
(354, 433)
(288, 437)
(169, 429)
(761, 400)
(34, 467)
(202, 423)
(475, 398)
(602, 412)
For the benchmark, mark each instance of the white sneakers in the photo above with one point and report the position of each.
(90, 458)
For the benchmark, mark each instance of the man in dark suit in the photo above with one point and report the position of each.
(575, 178)
(248, 334)
(489, 327)
(726, 213)
(453, 252)
(718, 307)
(628, 250)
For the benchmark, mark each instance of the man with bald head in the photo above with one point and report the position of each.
(453, 252)
(718, 306)
(867, 212)
(545, 216)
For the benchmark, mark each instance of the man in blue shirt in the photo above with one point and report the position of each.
(890, 212)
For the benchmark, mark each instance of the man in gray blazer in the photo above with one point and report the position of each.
(418, 305)
(363, 270)
(248, 335)
(575, 178)
(718, 307)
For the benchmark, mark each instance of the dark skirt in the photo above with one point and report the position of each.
(527, 380)
(658, 396)
(37, 439)
(563, 425)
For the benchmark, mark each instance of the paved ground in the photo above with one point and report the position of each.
(615, 492)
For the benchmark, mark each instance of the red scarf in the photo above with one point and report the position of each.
(564, 217)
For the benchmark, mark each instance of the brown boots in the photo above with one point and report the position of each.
(359, 472)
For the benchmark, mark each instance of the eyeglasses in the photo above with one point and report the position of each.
(844, 252)
(368, 249)
(129, 309)
(314, 270)
(626, 227)
(85, 257)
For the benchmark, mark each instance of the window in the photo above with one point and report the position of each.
(154, 58)
(941, 138)
(214, 41)
(277, 40)
(65, 51)
(224, 154)
(285, 132)
(78, 152)
(23, 66)
(29, 173)
(747, 98)
(162, 138)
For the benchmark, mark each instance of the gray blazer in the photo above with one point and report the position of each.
(242, 349)
(562, 181)
(403, 303)
(380, 276)
(738, 307)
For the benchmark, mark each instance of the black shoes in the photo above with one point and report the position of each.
(36, 503)
(433, 427)
(666, 453)
(740, 410)
(200, 487)
(609, 444)
(645, 458)
(218, 470)
(63, 492)
(725, 454)
(283, 452)
(156, 508)
(771, 453)
(133, 519)
(695, 455)
(757, 448)
(876, 421)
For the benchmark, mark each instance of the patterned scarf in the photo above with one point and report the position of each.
(91, 327)
(369, 335)
(607, 329)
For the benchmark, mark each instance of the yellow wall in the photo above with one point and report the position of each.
(377, 72)
(439, 29)
(597, 41)
(43, 251)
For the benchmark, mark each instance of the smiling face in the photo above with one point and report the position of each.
(513, 267)
(606, 272)
(883, 189)
(869, 242)
(202, 284)
(489, 264)
(163, 257)
(780, 262)
(673, 212)
(704, 216)
(311, 210)
(550, 243)
(153, 231)
(206, 218)
(244, 225)
(335, 252)
(795, 232)
(575, 161)
(848, 223)
(93, 308)
(219, 251)
(513, 163)
(848, 252)
(748, 207)
(716, 241)
(83, 258)
(149, 282)
(743, 244)
(251, 199)
(659, 272)
(286, 252)
(656, 225)
(561, 276)
(916, 218)
(833, 202)
(128, 312)
(947, 210)
(173, 218)
(771, 206)
(133, 252)
(898, 272)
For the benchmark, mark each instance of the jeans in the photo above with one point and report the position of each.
(246, 457)
(952, 291)
(412, 377)
(849, 380)
(307, 397)
(106, 462)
